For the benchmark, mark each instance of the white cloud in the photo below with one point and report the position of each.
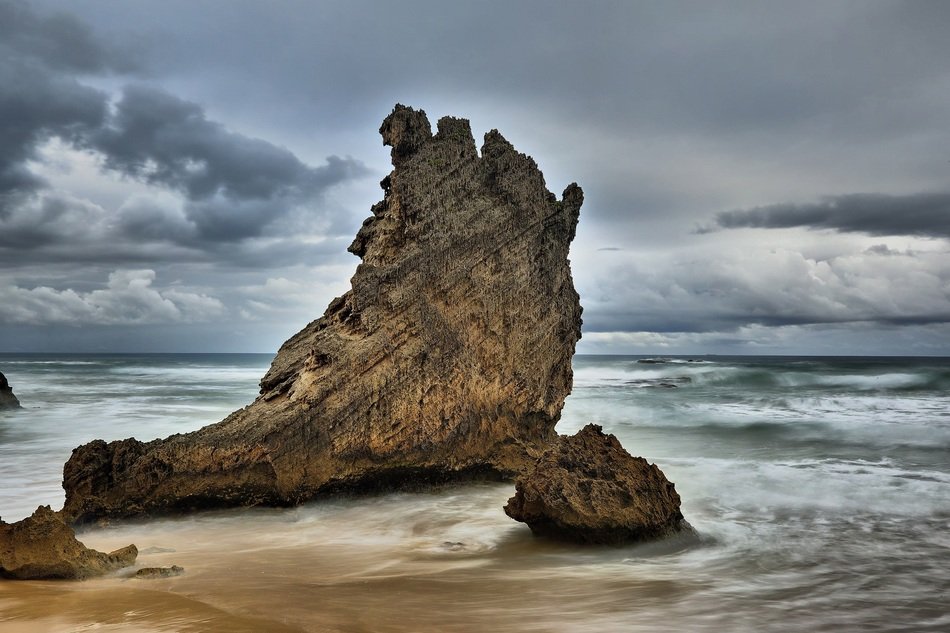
(298, 300)
(768, 286)
(855, 339)
(128, 298)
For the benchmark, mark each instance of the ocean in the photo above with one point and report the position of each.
(819, 487)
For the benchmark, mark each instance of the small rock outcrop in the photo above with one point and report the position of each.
(588, 489)
(7, 399)
(43, 546)
(151, 573)
(449, 358)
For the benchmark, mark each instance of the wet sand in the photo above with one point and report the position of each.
(447, 560)
(819, 486)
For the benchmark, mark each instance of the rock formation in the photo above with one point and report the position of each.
(449, 358)
(7, 399)
(43, 546)
(151, 573)
(586, 488)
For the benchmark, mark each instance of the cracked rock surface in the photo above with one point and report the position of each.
(42, 546)
(449, 358)
(586, 488)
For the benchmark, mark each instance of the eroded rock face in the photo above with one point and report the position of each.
(43, 546)
(449, 358)
(7, 399)
(588, 489)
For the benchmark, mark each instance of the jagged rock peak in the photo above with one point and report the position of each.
(449, 357)
(405, 130)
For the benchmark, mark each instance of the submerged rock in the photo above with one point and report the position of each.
(7, 399)
(588, 489)
(43, 546)
(449, 358)
(150, 573)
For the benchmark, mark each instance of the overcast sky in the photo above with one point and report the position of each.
(759, 177)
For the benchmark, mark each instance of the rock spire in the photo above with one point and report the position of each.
(449, 358)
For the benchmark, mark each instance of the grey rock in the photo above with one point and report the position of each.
(7, 399)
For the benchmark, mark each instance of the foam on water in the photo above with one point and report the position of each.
(819, 488)
(71, 401)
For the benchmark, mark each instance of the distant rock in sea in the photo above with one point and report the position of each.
(449, 358)
(42, 546)
(7, 399)
(588, 489)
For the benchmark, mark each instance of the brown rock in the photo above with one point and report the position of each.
(150, 573)
(588, 489)
(449, 358)
(7, 399)
(43, 546)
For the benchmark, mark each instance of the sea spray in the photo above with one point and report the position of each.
(822, 505)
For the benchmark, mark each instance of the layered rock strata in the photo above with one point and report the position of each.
(449, 358)
(586, 488)
(42, 546)
(7, 399)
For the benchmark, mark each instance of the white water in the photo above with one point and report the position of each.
(821, 490)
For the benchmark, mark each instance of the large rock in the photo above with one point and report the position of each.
(588, 489)
(43, 546)
(7, 399)
(449, 358)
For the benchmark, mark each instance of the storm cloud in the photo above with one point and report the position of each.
(231, 186)
(58, 41)
(235, 185)
(39, 58)
(40, 107)
(227, 149)
(923, 214)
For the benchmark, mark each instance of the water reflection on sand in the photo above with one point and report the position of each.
(447, 560)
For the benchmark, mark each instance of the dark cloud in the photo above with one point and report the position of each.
(35, 106)
(45, 220)
(661, 111)
(40, 97)
(58, 41)
(231, 187)
(923, 214)
(235, 185)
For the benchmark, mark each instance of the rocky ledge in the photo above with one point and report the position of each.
(151, 573)
(7, 399)
(43, 546)
(588, 489)
(449, 358)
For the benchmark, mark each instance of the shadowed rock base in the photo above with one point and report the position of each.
(43, 546)
(588, 489)
(449, 358)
